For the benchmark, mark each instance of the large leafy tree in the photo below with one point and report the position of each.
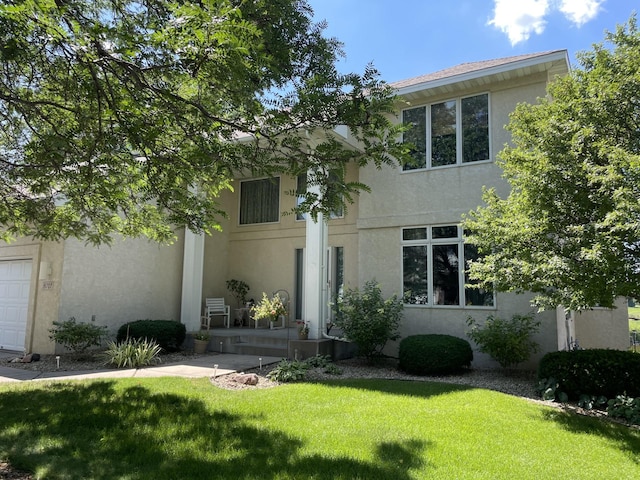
(131, 116)
(570, 228)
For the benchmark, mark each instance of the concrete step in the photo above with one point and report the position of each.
(246, 348)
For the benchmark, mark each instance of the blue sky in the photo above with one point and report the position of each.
(407, 38)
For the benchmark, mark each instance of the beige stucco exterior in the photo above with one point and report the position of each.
(131, 279)
(263, 255)
(443, 196)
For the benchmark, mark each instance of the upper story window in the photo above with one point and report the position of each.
(434, 268)
(259, 201)
(301, 188)
(448, 133)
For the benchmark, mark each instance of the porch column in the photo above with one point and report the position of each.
(565, 328)
(316, 292)
(192, 268)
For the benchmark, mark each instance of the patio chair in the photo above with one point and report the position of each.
(215, 307)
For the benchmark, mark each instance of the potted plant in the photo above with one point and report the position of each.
(200, 342)
(303, 330)
(239, 290)
(269, 308)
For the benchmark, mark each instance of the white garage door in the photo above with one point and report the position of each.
(15, 279)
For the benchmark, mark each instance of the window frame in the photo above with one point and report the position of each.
(302, 217)
(429, 242)
(269, 179)
(427, 165)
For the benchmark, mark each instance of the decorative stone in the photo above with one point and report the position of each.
(27, 358)
(246, 378)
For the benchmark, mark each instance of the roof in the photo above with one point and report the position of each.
(473, 69)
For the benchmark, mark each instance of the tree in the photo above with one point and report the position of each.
(570, 228)
(132, 116)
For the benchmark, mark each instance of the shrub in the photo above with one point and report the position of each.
(288, 371)
(368, 320)
(168, 334)
(506, 341)
(627, 408)
(434, 354)
(132, 353)
(295, 370)
(77, 336)
(593, 372)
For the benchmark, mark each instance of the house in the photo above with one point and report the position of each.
(405, 234)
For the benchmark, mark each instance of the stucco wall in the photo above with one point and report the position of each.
(441, 196)
(263, 255)
(603, 328)
(130, 280)
(385, 266)
(44, 293)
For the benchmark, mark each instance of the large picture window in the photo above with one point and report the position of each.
(259, 201)
(448, 133)
(434, 264)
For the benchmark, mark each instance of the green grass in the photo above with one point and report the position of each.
(170, 428)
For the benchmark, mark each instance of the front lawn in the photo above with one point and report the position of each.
(169, 428)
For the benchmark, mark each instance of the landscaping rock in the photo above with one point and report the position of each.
(246, 378)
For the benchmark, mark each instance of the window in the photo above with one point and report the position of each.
(431, 268)
(457, 132)
(301, 188)
(259, 201)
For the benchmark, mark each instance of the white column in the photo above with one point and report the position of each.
(192, 268)
(316, 292)
(565, 328)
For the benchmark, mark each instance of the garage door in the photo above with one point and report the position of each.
(15, 280)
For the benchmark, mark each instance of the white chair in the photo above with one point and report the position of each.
(215, 307)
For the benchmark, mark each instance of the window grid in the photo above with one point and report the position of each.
(423, 138)
(440, 280)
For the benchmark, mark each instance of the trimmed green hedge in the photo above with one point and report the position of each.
(593, 372)
(434, 354)
(169, 334)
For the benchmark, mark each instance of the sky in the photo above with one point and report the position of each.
(407, 38)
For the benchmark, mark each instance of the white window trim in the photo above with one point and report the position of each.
(459, 162)
(429, 242)
(240, 201)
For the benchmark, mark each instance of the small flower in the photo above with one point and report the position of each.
(270, 308)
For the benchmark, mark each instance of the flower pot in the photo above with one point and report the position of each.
(200, 346)
(303, 335)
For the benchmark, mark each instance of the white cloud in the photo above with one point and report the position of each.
(580, 11)
(520, 18)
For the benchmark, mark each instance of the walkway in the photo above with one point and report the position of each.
(203, 366)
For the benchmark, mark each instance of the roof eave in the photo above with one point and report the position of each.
(484, 72)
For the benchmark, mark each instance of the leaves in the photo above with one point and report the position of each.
(367, 319)
(506, 341)
(133, 117)
(569, 229)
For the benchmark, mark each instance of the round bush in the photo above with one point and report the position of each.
(593, 372)
(434, 354)
(168, 334)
